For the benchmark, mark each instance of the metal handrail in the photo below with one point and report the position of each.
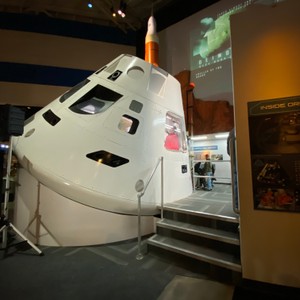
(212, 161)
(141, 188)
(210, 176)
(233, 175)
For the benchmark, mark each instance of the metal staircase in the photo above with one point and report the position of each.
(200, 235)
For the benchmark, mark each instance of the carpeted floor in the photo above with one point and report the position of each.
(96, 272)
(112, 272)
(182, 287)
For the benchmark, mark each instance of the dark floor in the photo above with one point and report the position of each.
(215, 202)
(113, 272)
(96, 272)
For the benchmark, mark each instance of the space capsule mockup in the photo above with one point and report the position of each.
(95, 142)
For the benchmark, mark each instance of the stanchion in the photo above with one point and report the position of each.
(5, 223)
(139, 187)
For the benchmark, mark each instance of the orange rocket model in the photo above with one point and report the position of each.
(151, 43)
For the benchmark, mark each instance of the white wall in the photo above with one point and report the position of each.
(214, 146)
(49, 219)
(50, 50)
(266, 65)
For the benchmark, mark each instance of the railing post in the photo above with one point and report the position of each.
(162, 187)
(139, 187)
(234, 186)
(139, 256)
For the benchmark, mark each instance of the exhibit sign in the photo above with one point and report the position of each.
(274, 132)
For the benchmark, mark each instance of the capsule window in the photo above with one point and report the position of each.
(128, 124)
(107, 158)
(73, 90)
(175, 135)
(136, 106)
(95, 101)
(51, 117)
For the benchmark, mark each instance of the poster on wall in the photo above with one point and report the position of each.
(274, 132)
(201, 151)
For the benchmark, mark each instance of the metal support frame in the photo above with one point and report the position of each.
(5, 223)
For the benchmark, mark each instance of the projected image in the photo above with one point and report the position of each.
(211, 52)
(201, 44)
(212, 44)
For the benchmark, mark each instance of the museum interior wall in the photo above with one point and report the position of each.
(41, 58)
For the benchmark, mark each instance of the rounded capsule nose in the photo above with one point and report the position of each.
(151, 26)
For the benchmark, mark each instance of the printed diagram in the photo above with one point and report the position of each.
(274, 193)
(274, 132)
(272, 174)
(278, 199)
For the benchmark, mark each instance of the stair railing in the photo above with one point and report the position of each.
(141, 188)
(234, 179)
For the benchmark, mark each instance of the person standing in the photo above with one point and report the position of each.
(198, 169)
(207, 169)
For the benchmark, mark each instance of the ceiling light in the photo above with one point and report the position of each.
(90, 4)
(221, 136)
(122, 9)
(199, 137)
(113, 13)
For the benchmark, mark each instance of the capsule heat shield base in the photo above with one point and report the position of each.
(50, 219)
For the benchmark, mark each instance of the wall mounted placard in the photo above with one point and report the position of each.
(274, 132)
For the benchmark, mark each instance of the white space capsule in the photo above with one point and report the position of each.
(95, 142)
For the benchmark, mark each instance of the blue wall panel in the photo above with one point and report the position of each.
(46, 25)
(27, 73)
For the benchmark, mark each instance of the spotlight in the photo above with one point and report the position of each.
(90, 5)
(122, 9)
(113, 13)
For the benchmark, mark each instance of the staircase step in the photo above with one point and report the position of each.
(220, 259)
(203, 231)
(170, 207)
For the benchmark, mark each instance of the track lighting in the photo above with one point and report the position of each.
(113, 13)
(121, 11)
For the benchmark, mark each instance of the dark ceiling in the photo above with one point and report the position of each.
(166, 12)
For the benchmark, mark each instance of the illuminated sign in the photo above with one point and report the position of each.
(274, 106)
(201, 148)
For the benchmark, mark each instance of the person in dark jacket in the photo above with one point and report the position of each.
(208, 171)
